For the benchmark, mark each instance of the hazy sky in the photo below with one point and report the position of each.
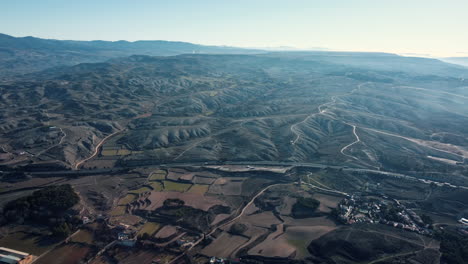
(436, 27)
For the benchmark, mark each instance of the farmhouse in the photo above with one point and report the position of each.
(10, 256)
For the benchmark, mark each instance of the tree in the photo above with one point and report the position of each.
(61, 231)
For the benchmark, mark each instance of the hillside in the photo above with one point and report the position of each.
(274, 107)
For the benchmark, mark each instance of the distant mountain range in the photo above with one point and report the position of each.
(22, 55)
(457, 60)
(29, 54)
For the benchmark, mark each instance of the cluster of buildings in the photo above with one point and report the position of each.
(357, 209)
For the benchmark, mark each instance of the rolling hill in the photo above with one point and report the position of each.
(366, 110)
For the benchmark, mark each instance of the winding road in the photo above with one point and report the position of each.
(96, 149)
(349, 145)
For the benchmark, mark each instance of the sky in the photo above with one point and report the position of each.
(427, 28)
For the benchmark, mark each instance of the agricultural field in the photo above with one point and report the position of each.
(130, 197)
(140, 190)
(83, 236)
(139, 256)
(71, 253)
(149, 228)
(171, 186)
(224, 245)
(22, 239)
(118, 210)
(193, 200)
(156, 186)
(157, 175)
(198, 189)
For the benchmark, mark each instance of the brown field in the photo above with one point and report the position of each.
(251, 209)
(198, 188)
(99, 163)
(224, 245)
(203, 180)
(194, 200)
(166, 232)
(141, 256)
(263, 219)
(119, 210)
(175, 174)
(307, 232)
(275, 245)
(219, 218)
(187, 177)
(100, 260)
(34, 182)
(226, 186)
(286, 205)
(327, 201)
(23, 241)
(83, 236)
(313, 221)
(69, 253)
(300, 237)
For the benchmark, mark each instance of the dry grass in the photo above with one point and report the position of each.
(109, 152)
(170, 186)
(119, 210)
(118, 152)
(140, 190)
(127, 199)
(198, 188)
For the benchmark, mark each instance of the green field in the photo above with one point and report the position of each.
(300, 245)
(176, 186)
(199, 188)
(149, 228)
(157, 186)
(157, 175)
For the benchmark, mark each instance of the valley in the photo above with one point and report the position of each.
(233, 155)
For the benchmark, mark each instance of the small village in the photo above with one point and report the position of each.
(360, 209)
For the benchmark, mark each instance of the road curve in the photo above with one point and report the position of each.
(96, 149)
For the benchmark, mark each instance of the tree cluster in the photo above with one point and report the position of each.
(49, 206)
